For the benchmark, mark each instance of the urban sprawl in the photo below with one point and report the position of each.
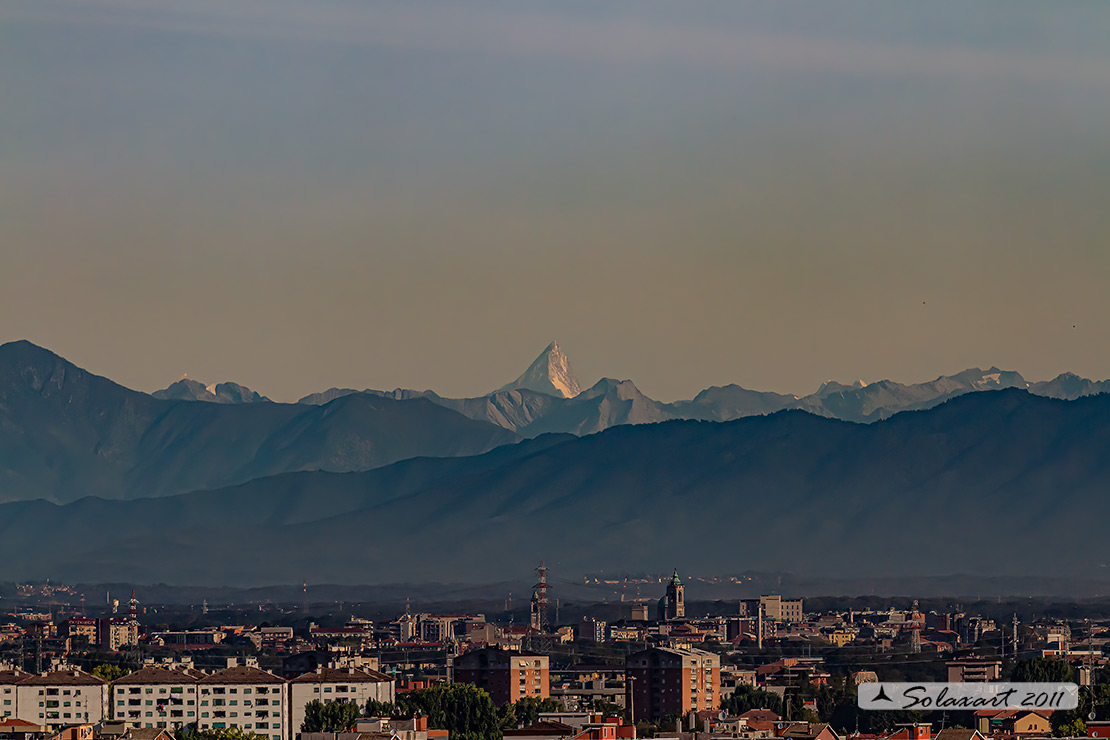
(769, 669)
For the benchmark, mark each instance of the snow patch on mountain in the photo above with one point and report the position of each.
(550, 373)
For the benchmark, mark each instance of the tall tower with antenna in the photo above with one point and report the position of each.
(539, 598)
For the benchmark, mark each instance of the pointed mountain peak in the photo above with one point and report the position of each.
(550, 373)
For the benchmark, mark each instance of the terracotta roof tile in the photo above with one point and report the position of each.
(342, 675)
(241, 674)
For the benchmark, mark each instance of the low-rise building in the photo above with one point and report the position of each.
(156, 698)
(328, 685)
(970, 670)
(62, 697)
(9, 707)
(246, 698)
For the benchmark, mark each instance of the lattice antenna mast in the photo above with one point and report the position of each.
(541, 595)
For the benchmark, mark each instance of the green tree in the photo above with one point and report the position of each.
(1042, 670)
(336, 716)
(465, 711)
(375, 708)
(109, 672)
(527, 709)
(1075, 728)
(749, 697)
(506, 717)
(219, 733)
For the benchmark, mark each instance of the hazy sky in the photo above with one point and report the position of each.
(297, 194)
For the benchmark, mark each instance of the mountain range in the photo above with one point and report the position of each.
(980, 473)
(66, 433)
(999, 483)
(548, 398)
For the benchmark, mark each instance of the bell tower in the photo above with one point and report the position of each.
(676, 598)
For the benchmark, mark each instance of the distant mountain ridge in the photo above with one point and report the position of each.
(998, 483)
(66, 433)
(547, 398)
(188, 389)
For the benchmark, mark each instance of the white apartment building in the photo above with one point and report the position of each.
(779, 609)
(62, 697)
(9, 677)
(246, 698)
(156, 697)
(354, 684)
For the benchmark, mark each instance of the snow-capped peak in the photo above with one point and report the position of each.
(550, 373)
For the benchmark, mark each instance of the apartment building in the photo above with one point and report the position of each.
(156, 697)
(505, 675)
(778, 609)
(62, 697)
(246, 698)
(353, 684)
(971, 670)
(662, 681)
(8, 697)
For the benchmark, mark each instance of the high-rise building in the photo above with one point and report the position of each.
(506, 676)
(662, 681)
